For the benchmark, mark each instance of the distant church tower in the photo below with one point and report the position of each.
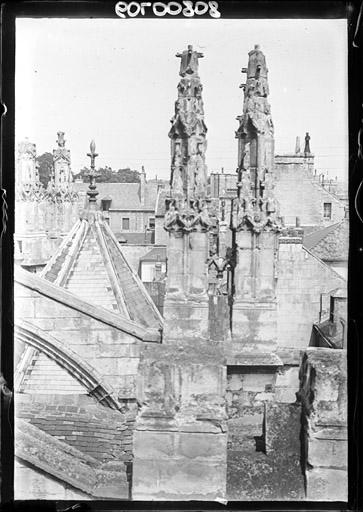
(187, 219)
(255, 220)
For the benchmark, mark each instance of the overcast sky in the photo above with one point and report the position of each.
(114, 80)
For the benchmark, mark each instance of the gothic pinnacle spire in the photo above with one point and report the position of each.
(257, 206)
(188, 133)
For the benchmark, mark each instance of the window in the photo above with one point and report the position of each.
(152, 222)
(327, 210)
(125, 224)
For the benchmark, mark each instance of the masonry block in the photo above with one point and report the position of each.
(323, 395)
(178, 479)
(326, 484)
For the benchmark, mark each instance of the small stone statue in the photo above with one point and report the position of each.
(307, 144)
(189, 62)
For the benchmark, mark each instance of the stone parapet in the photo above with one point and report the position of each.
(323, 394)
(180, 440)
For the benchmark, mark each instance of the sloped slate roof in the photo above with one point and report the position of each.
(69, 464)
(156, 254)
(330, 243)
(133, 238)
(125, 196)
(90, 264)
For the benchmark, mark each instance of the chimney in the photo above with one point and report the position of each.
(158, 268)
(142, 185)
(297, 146)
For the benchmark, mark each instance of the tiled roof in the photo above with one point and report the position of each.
(330, 243)
(86, 447)
(90, 264)
(96, 431)
(125, 196)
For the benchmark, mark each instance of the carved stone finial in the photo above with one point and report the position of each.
(60, 140)
(92, 192)
(92, 154)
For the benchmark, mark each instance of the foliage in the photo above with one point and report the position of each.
(45, 162)
(107, 175)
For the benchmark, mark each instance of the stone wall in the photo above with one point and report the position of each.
(301, 279)
(323, 393)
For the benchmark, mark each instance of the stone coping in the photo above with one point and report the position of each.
(68, 299)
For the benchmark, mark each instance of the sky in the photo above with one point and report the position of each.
(115, 81)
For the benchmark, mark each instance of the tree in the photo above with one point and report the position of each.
(107, 175)
(45, 162)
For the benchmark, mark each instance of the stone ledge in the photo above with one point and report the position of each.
(255, 359)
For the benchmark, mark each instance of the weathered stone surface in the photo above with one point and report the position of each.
(323, 388)
(327, 484)
(180, 438)
(282, 428)
(258, 477)
(178, 479)
(264, 453)
(329, 452)
(323, 394)
(185, 320)
(255, 325)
